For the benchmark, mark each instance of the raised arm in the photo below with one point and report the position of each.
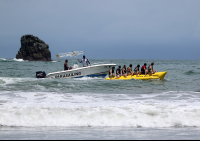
(79, 61)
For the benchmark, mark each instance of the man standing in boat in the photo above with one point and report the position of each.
(85, 61)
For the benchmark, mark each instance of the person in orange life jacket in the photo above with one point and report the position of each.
(129, 70)
(119, 72)
(151, 70)
(144, 69)
(124, 70)
(85, 61)
(66, 66)
(112, 73)
(137, 70)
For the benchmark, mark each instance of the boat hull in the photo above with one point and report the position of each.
(157, 75)
(89, 71)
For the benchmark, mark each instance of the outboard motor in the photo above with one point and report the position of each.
(40, 74)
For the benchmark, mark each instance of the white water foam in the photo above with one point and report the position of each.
(6, 80)
(10, 80)
(3, 59)
(19, 60)
(180, 109)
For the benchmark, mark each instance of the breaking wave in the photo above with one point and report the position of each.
(11, 60)
(72, 110)
(3, 60)
(18, 60)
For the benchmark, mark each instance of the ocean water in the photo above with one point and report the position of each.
(93, 108)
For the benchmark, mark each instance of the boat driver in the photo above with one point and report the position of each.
(85, 61)
(66, 66)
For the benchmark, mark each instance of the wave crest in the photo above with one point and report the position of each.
(128, 116)
(18, 60)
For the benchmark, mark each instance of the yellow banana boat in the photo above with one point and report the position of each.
(157, 75)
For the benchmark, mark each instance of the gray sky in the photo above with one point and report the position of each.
(104, 29)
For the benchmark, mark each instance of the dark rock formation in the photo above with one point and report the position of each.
(33, 49)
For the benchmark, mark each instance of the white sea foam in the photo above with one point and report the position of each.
(141, 110)
(6, 80)
(19, 60)
(10, 80)
(3, 59)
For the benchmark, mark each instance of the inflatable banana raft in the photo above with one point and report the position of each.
(157, 75)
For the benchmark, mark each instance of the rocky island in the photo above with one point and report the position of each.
(33, 49)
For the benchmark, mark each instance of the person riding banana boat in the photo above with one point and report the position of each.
(119, 72)
(129, 70)
(124, 70)
(151, 71)
(144, 69)
(137, 70)
(112, 73)
(128, 73)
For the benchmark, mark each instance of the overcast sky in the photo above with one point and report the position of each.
(104, 29)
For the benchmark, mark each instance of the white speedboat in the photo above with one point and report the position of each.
(95, 70)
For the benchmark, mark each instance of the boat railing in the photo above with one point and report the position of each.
(105, 62)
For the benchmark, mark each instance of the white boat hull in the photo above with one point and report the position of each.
(90, 71)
